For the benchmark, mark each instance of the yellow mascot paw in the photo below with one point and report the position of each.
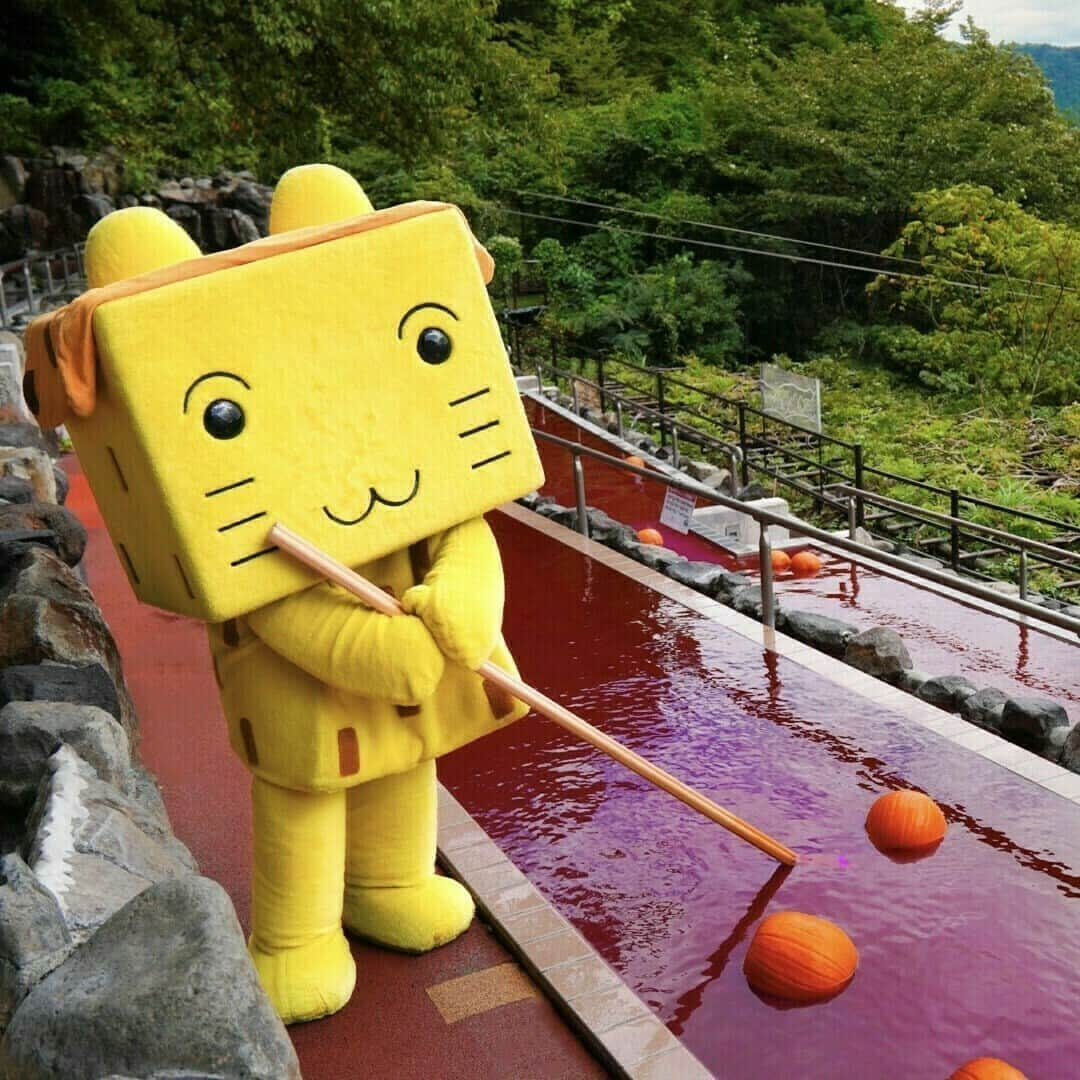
(309, 981)
(413, 918)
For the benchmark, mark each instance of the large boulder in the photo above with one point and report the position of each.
(68, 530)
(1038, 725)
(29, 463)
(253, 199)
(32, 731)
(224, 228)
(33, 936)
(93, 846)
(165, 988)
(78, 684)
(653, 556)
(828, 635)
(12, 181)
(47, 613)
(879, 651)
(1070, 751)
(747, 601)
(22, 228)
(946, 691)
(706, 577)
(984, 708)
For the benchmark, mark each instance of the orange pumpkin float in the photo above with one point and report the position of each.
(805, 564)
(781, 560)
(650, 536)
(904, 821)
(987, 1068)
(636, 461)
(800, 957)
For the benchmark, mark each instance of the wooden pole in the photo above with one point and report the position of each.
(305, 552)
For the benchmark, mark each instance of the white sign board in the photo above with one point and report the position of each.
(678, 509)
(790, 396)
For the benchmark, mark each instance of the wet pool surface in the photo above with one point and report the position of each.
(943, 635)
(970, 951)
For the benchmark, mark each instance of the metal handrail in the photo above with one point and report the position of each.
(864, 551)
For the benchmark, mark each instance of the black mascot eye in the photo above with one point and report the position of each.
(223, 419)
(434, 346)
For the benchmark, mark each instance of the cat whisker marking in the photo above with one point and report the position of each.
(470, 397)
(477, 430)
(254, 555)
(489, 460)
(229, 487)
(116, 466)
(183, 576)
(241, 521)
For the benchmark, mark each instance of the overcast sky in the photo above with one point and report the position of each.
(1055, 22)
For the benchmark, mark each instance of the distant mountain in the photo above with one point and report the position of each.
(1062, 68)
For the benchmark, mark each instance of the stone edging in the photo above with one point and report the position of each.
(616, 1025)
(1038, 770)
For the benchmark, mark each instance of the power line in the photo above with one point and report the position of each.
(774, 237)
(715, 245)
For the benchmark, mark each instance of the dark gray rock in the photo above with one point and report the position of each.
(32, 731)
(1036, 724)
(911, 679)
(752, 492)
(88, 847)
(27, 436)
(984, 708)
(90, 209)
(252, 199)
(63, 485)
(15, 490)
(706, 577)
(1070, 750)
(33, 937)
(12, 181)
(550, 509)
(946, 691)
(65, 526)
(747, 601)
(47, 613)
(227, 228)
(86, 684)
(720, 480)
(165, 987)
(534, 499)
(727, 585)
(699, 470)
(604, 529)
(829, 635)
(652, 555)
(22, 228)
(189, 219)
(878, 651)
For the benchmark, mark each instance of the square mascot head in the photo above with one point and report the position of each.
(344, 376)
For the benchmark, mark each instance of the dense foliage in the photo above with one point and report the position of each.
(836, 123)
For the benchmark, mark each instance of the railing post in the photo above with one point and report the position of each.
(79, 262)
(674, 446)
(660, 406)
(29, 279)
(860, 509)
(574, 395)
(734, 457)
(954, 529)
(555, 355)
(600, 382)
(579, 489)
(768, 606)
(3, 302)
(852, 519)
(50, 287)
(1023, 573)
(618, 418)
(745, 465)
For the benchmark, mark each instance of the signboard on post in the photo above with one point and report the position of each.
(790, 396)
(678, 509)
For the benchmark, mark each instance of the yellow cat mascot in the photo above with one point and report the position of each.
(346, 377)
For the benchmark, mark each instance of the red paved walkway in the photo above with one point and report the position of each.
(391, 1028)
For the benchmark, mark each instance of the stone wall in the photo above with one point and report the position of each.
(116, 958)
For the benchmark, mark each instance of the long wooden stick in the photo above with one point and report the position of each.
(375, 598)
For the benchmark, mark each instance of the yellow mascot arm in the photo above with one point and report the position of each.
(329, 634)
(461, 597)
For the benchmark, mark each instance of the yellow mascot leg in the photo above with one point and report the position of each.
(392, 894)
(297, 944)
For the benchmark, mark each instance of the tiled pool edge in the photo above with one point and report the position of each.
(1031, 767)
(615, 1024)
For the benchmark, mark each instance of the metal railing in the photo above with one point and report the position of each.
(765, 518)
(39, 276)
(811, 463)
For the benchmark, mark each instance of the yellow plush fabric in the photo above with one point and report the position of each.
(378, 417)
(136, 242)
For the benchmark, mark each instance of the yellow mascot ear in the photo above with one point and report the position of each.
(134, 241)
(316, 195)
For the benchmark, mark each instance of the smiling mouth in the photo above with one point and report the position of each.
(374, 499)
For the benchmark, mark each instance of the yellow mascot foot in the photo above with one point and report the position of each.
(309, 981)
(413, 918)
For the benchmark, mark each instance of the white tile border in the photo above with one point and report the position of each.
(1037, 770)
(612, 1021)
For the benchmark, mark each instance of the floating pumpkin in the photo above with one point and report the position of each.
(805, 564)
(650, 536)
(635, 461)
(905, 820)
(987, 1068)
(781, 561)
(800, 957)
